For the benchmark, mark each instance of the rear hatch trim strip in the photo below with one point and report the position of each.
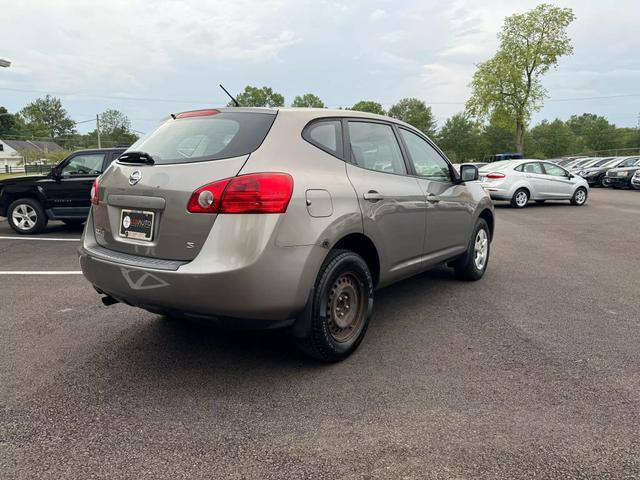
(102, 253)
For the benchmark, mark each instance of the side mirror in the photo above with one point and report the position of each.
(571, 176)
(468, 173)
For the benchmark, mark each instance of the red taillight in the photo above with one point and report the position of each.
(198, 113)
(95, 194)
(252, 193)
(495, 175)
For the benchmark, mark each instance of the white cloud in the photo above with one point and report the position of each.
(343, 50)
(377, 15)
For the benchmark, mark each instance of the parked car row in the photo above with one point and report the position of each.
(614, 172)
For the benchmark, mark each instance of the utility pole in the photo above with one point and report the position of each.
(98, 130)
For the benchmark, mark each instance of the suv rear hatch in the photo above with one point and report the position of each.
(143, 196)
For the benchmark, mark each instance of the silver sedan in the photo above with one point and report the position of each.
(519, 181)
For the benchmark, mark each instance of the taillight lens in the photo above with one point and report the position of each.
(95, 196)
(252, 193)
(496, 175)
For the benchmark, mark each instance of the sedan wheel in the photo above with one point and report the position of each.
(520, 198)
(580, 197)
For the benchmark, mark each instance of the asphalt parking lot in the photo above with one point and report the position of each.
(533, 372)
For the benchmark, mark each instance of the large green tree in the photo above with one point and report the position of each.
(508, 87)
(594, 131)
(9, 123)
(551, 140)
(369, 106)
(415, 112)
(460, 138)
(258, 97)
(308, 100)
(46, 116)
(115, 129)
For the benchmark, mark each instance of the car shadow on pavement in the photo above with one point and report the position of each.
(166, 345)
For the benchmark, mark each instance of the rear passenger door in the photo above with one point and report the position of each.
(392, 203)
(535, 176)
(449, 204)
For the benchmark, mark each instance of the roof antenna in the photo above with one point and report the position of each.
(232, 99)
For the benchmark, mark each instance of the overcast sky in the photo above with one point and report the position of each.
(174, 53)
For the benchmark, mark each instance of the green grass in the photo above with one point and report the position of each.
(9, 175)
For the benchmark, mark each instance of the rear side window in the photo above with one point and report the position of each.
(532, 168)
(326, 135)
(212, 137)
(374, 146)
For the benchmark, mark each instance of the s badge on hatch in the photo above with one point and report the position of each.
(135, 177)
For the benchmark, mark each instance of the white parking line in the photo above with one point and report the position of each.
(27, 272)
(14, 237)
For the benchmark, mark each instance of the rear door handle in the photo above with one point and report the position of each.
(372, 196)
(433, 198)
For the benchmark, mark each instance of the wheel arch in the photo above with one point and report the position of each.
(363, 246)
(487, 216)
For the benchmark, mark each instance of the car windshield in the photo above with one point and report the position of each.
(205, 137)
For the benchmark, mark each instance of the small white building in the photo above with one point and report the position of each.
(12, 151)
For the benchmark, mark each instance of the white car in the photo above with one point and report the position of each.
(519, 181)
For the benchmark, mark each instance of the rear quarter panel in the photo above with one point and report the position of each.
(284, 150)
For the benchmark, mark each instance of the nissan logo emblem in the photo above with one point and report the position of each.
(135, 177)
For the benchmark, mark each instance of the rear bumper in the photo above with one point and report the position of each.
(497, 193)
(271, 285)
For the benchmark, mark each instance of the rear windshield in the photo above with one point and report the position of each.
(198, 139)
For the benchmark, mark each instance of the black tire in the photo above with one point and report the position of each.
(26, 216)
(467, 267)
(577, 199)
(601, 182)
(518, 196)
(342, 273)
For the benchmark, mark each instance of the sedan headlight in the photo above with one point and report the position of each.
(623, 174)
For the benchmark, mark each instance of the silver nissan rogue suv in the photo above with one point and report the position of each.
(281, 218)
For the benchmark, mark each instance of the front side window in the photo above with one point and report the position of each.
(426, 160)
(325, 134)
(374, 147)
(554, 170)
(84, 164)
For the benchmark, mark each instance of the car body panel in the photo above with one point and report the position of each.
(264, 266)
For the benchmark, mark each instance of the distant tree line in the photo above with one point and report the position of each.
(462, 136)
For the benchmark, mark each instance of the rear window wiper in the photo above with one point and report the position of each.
(136, 157)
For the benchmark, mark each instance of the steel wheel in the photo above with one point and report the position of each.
(481, 249)
(24, 217)
(345, 307)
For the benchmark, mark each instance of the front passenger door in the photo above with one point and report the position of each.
(449, 204)
(557, 181)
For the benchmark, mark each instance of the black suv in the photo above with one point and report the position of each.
(64, 194)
